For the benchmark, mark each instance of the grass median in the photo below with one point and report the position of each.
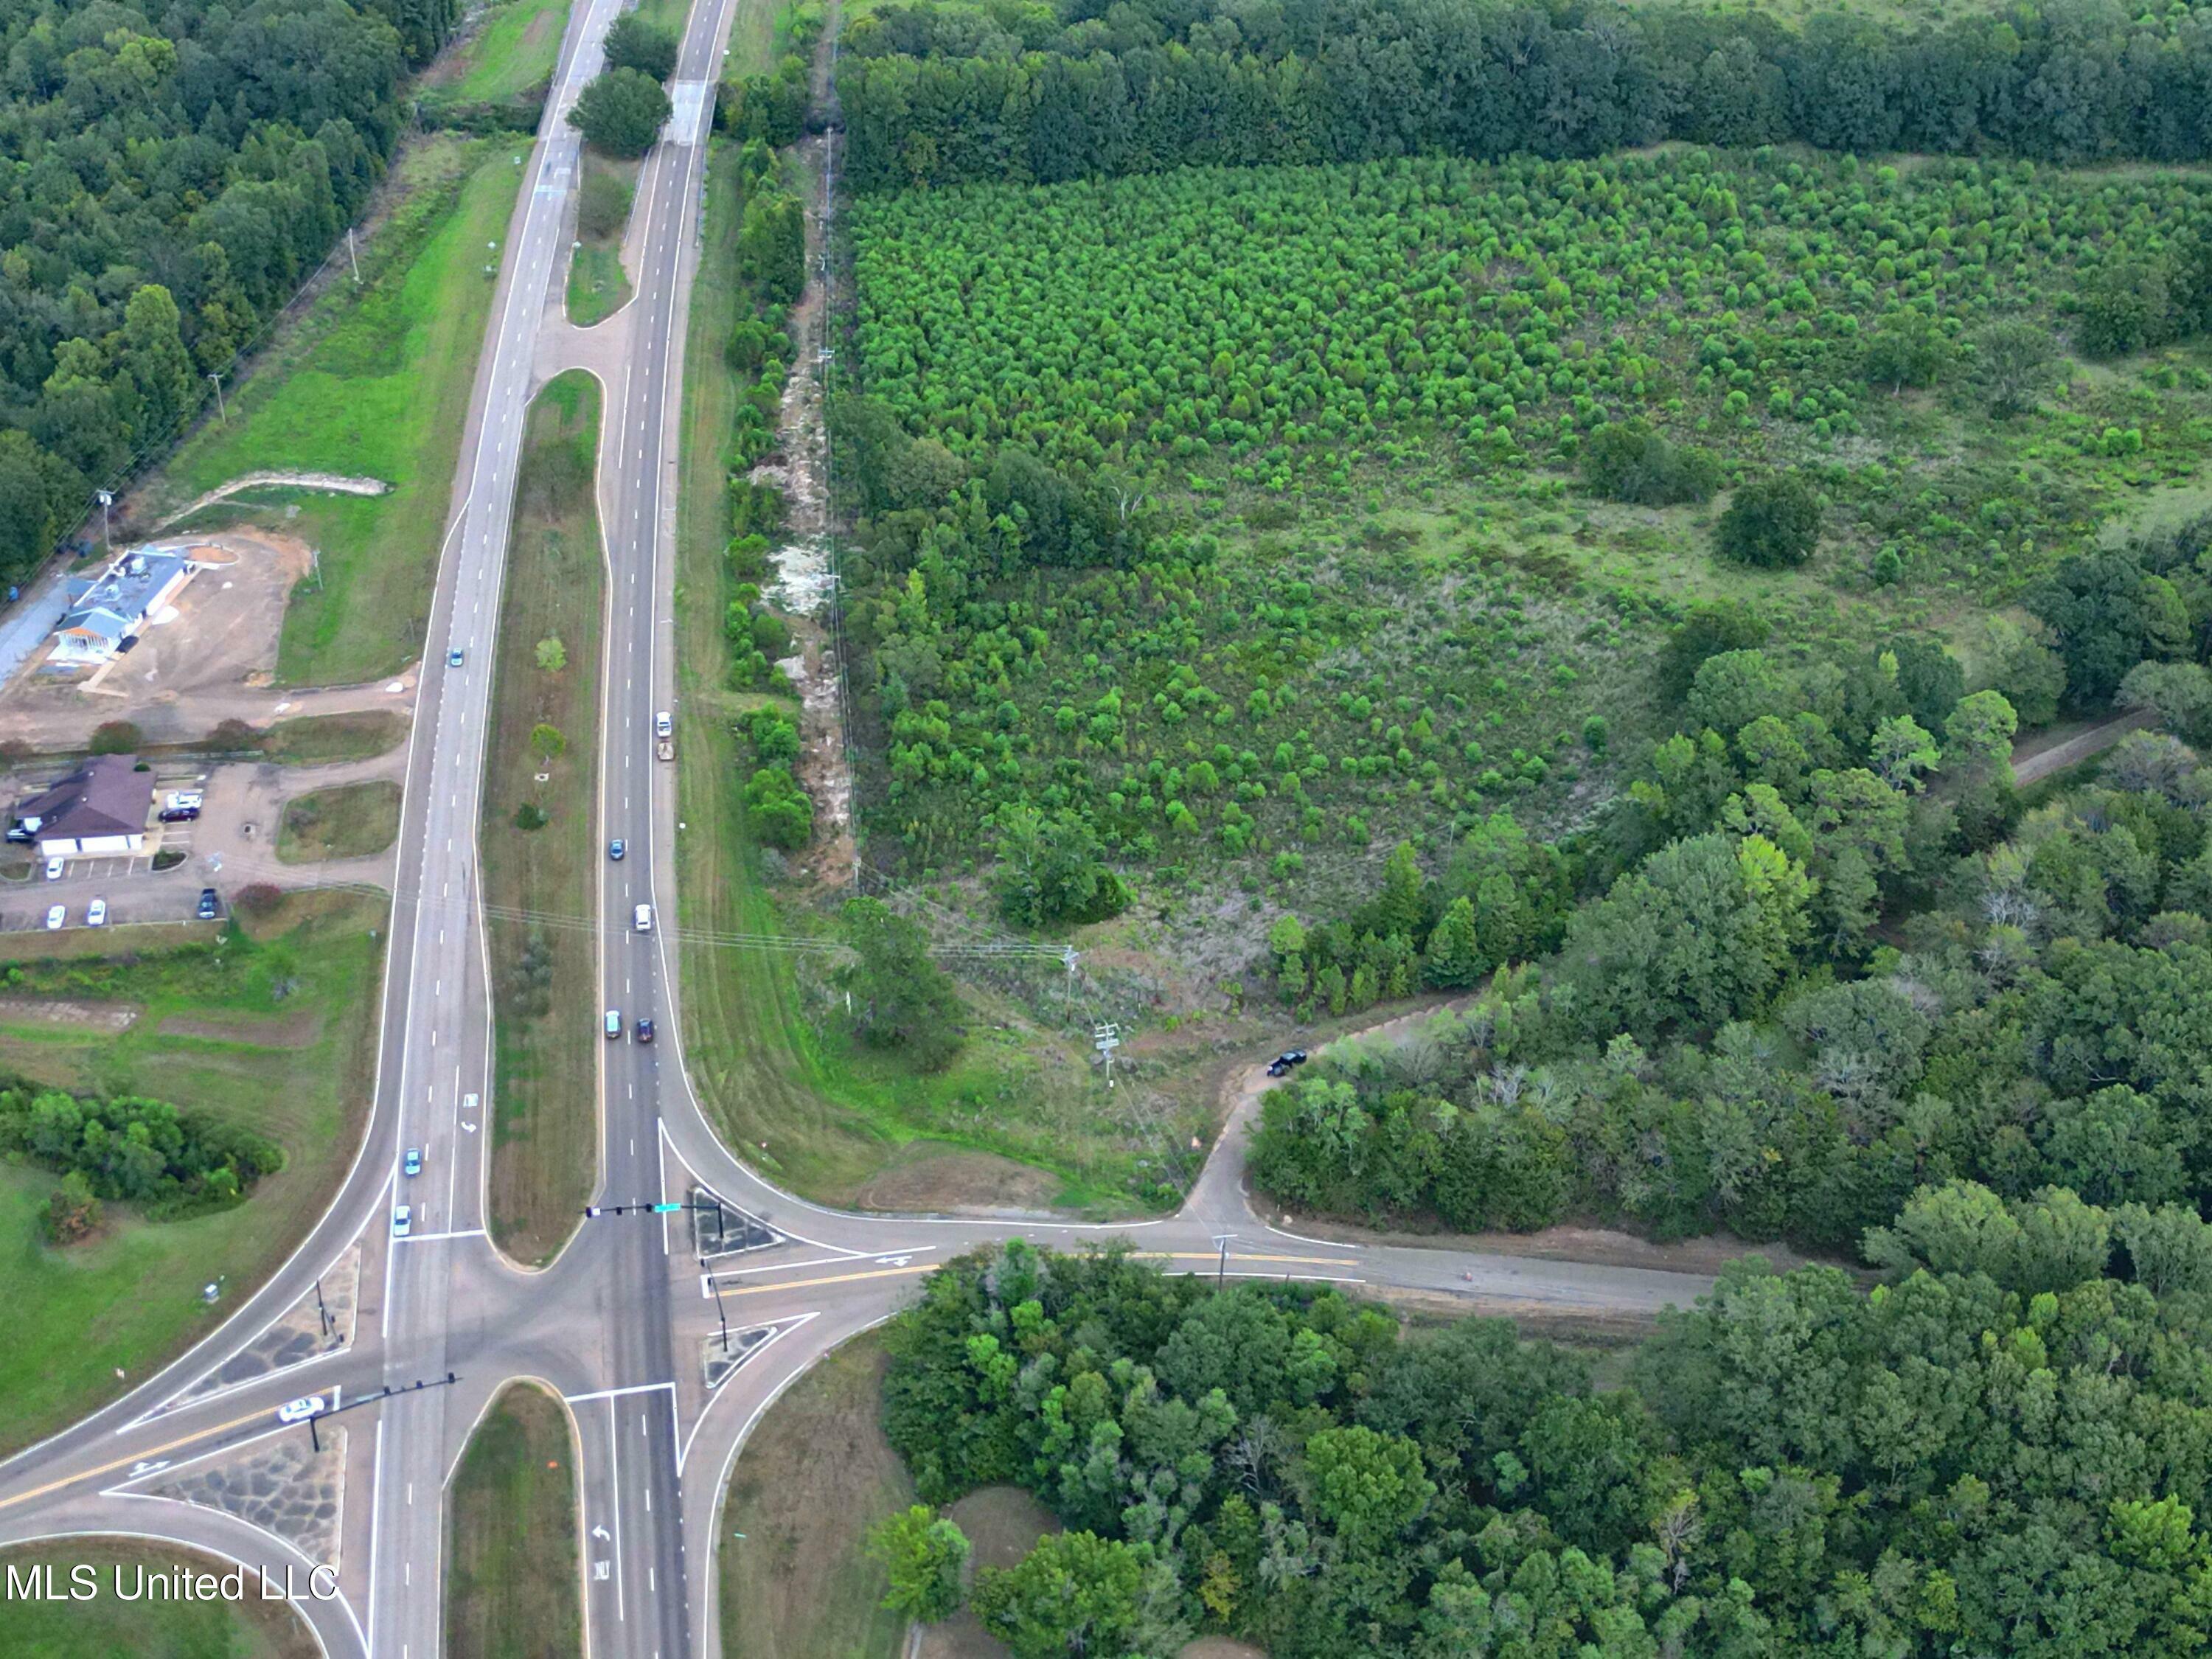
(372, 381)
(275, 1027)
(540, 834)
(511, 1541)
(108, 1625)
(598, 285)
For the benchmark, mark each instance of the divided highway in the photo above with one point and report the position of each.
(620, 1324)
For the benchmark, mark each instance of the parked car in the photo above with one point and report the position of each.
(402, 1221)
(663, 724)
(1281, 1064)
(645, 1030)
(209, 904)
(57, 915)
(177, 814)
(300, 1410)
(95, 913)
(184, 800)
(412, 1163)
(644, 918)
(614, 1024)
(54, 868)
(617, 848)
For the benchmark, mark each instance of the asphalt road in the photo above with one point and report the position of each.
(627, 1324)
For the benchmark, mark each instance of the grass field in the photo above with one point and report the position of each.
(106, 1627)
(321, 739)
(374, 380)
(544, 1136)
(598, 285)
(276, 1027)
(350, 821)
(511, 1543)
(814, 1477)
(515, 49)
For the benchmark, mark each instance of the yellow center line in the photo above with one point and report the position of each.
(136, 1457)
(1157, 1256)
(834, 1279)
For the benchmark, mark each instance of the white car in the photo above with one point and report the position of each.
(644, 918)
(402, 1221)
(57, 915)
(300, 1410)
(663, 727)
(54, 867)
(95, 913)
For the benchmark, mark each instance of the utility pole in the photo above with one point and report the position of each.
(321, 1309)
(1221, 1268)
(107, 500)
(219, 414)
(719, 1315)
(1106, 1039)
(354, 258)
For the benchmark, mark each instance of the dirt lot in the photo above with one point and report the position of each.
(211, 661)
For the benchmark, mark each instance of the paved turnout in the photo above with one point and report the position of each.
(619, 1325)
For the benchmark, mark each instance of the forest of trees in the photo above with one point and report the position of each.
(141, 1152)
(939, 94)
(1827, 956)
(2002, 1452)
(172, 171)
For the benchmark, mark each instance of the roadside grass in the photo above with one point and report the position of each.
(350, 821)
(516, 49)
(511, 1539)
(598, 285)
(815, 1476)
(544, 1140)
(374, 381)
(273, 1026)
(324, 739)
(104, 1625)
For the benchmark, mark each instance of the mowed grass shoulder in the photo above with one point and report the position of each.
(816, 1475)
(275, 1027)
(374, 381)
(541, 839)
(514, 1587)
(107, 1626)
(350, 820)
(515, 49)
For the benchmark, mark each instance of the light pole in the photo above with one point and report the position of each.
(107, 500)
(217, 378)
(1221, 1268)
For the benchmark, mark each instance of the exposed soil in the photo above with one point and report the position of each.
(301, 1031)
(961, 1183)
(1221, 1647)
(338, 482)
(109, 1017)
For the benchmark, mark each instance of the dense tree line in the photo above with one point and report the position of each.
(939, 94)
(1722, 1037)
(140, 1152)
(2002, 1452)
(172, 172)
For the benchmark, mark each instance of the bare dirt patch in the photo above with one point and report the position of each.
(301, 1031)
(1221, 1647)
(109, 1017)
(1004, 1523)
(184, 673)
(961, 1183)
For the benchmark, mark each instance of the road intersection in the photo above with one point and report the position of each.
(670, 1329)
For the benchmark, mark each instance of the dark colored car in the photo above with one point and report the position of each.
(179, 814)
(645, 1030)
(209, 904)
(1279, 1068)
(1295, 1056)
